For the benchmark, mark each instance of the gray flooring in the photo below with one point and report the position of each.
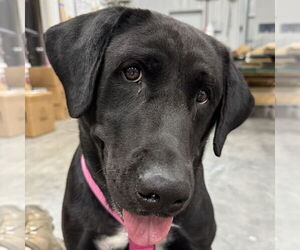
(12, 171)
(241, 183)
(287, 188)
(47, 161)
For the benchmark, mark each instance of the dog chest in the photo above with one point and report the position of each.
(119, 241)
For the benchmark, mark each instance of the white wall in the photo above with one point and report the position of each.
(228, 30)
(50, 13)
(21, 12)
(286, 15)
(227, 17)
(165, 6)
(263, 12)
(70, 8)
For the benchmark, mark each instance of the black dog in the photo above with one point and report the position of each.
(147, 90)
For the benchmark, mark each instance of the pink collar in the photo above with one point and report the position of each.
(101, 198)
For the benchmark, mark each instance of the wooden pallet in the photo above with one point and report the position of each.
(282, 96)
(260, 82)
(287, 96)
(264, 96)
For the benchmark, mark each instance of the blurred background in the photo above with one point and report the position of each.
(254, 185)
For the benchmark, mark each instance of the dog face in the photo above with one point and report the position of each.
(155, 88)
(158, 95)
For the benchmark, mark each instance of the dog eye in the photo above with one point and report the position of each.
(202, 97)
(132, 74)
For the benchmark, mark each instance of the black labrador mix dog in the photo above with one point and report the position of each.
(147, 90)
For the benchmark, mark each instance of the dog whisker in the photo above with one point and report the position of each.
(175, 226)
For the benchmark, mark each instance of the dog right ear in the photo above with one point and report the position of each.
(236, 105)
(75, 49)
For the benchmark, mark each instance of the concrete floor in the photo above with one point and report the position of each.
(241, 183)
(12, 171)
(287, 188)
(47, 161)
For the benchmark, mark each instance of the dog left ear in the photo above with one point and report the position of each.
(76, 48)
(236, 106)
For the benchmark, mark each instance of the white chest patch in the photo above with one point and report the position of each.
(120, 240)
(117, 241)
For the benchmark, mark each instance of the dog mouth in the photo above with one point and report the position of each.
(146, 230)
(143, 227)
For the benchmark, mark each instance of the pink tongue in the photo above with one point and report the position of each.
(146, 230)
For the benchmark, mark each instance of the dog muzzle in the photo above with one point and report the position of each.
(143, 231)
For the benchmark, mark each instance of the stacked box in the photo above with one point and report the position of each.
(15, 76)
(258, 68)
(45, 77)
(288, 75)
(39, 113)
(2, 86)
(12, 113)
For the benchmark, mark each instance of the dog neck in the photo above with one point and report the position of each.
(101, 198)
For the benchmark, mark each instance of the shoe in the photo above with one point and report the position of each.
(11, 228)
(39, 230)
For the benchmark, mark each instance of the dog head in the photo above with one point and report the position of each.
(155, 88)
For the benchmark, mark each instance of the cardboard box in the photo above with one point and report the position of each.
(39, 113)
(12, 113)
(58, 93)
(45, 77)
(15, 76)
(264, 96)
(61, 111)
(241, 51)
(2, 87)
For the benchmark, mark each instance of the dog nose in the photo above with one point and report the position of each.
(162, 193)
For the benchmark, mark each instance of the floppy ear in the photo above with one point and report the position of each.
(236, 106)
(75, 49)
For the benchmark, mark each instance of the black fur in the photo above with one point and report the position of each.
(127, 128)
